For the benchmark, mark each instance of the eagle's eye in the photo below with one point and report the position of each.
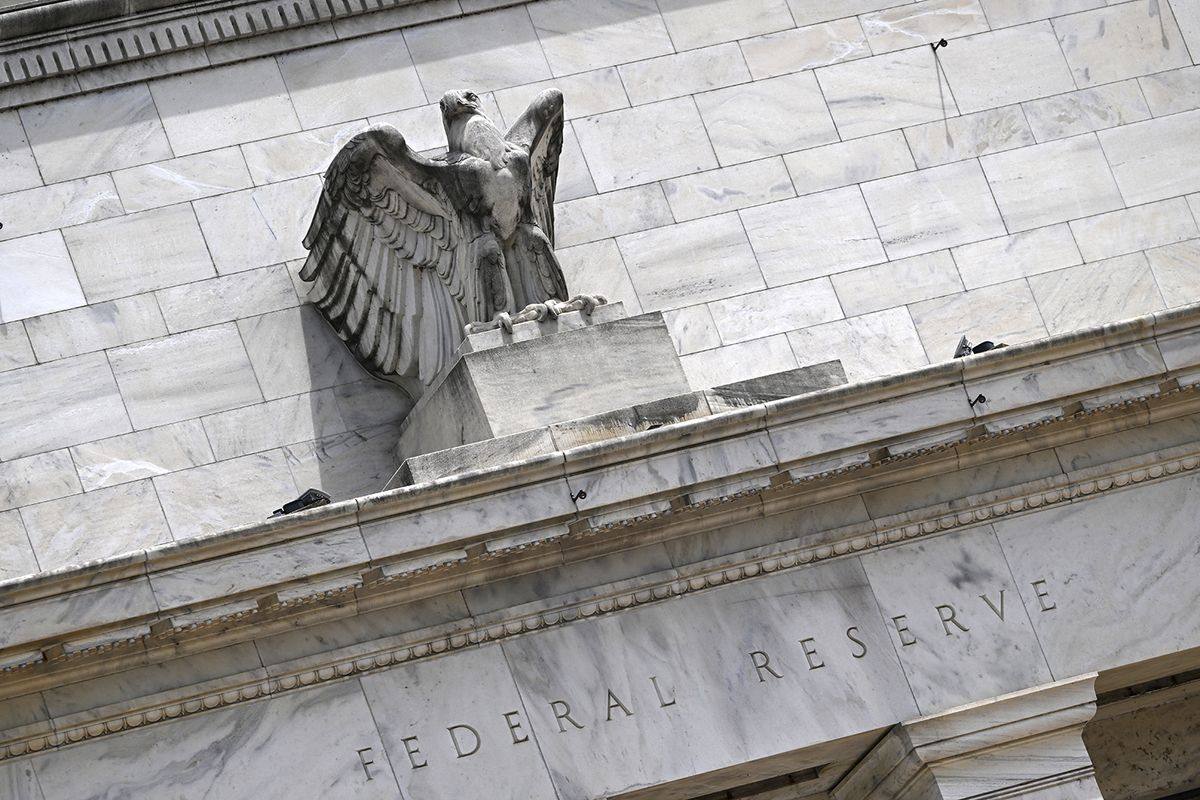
(471, 97)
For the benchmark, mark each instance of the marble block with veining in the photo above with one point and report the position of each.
(708, 707)
(419, 710)
(1138, 551)
(37, 277)
(970, 582)
(237, 753)
(492, 391)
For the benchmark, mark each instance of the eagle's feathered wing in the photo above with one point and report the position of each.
(389, 258)
(539, 131)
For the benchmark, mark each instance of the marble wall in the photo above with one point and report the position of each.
(787, 180)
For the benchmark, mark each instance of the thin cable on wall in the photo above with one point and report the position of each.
(939, 73)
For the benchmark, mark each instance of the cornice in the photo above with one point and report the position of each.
(57, 49)
(970, 437)
(978, 510)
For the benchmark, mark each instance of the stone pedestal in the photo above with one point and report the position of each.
(1024, 745)
(576, 366)
(566, 383)
(566, 434)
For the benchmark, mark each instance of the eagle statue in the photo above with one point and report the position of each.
(408, 254)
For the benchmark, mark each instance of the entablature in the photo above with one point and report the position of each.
(774, 487)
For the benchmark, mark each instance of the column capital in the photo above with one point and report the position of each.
(1026, 744)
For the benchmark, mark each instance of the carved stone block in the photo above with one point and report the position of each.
(529, 384)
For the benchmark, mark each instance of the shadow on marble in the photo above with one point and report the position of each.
(1155, 747)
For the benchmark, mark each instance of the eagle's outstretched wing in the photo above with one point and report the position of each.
(540, 131)
(388, 257)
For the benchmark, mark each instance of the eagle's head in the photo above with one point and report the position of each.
(459, 102)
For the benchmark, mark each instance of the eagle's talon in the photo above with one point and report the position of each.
(541, 311)
(587, 303)
(557, 308)
(477, 327)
